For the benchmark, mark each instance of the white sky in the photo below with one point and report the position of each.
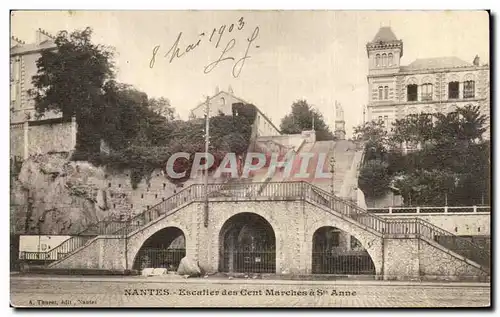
(319, 56)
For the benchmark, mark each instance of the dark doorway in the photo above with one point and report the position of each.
(336, 252)
(164, 249)
(247, 245)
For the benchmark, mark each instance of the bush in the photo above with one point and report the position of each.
(374, 178)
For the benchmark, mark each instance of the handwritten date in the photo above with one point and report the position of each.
(177, 51)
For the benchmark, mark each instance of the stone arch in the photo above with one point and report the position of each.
(164, 248)
(136, 241)
(426, 80)
(453, 77)
(469, 76)
(411, 81)
(369, 241)
(247, 243)
(230, 209)
(333, 253)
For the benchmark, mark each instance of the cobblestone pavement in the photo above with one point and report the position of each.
(164, 292)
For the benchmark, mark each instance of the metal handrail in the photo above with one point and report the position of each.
(288, 189)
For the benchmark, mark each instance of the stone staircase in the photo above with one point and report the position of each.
(387, 228)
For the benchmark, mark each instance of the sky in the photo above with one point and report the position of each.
(319, 56)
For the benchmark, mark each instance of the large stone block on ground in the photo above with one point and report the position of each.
(188, 267)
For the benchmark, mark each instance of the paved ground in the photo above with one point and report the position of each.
(176, 292)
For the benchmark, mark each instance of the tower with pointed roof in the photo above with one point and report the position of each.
(384, 52)
(426, 85)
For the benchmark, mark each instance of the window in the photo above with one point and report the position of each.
(377, 60)
(386, 121)
(386, 92)
(17, 69)
(469, 89)
(412, 92)
(390, 59)
(426, 92)
(13, 92)
(223, 101)
(384, 59)
(380, 119)
(380, 91)
(453, 90)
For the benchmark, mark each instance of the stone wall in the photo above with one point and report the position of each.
(101, 252)
(37, 137)
(17, 140)
(294, 224)
(46, 138)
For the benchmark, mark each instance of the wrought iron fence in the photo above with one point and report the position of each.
(56, 253)
(159, 258)
(429, 209)
(327, 262)
(257, 261)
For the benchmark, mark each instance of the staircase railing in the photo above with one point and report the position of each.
(284, 191)
(58, 252)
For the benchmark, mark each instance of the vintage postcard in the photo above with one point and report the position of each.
(250, 159)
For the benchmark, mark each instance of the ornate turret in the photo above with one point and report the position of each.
(384, 51)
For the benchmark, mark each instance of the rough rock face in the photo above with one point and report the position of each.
(52, 195)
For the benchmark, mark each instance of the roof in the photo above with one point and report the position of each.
(31, 48)
(384, 34)
(436, 62)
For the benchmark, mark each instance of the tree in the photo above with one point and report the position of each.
(452, 164)
(161, 106)
(70, 80)
(374, 180)
(301, 119)
(416, 128)
(374, 136)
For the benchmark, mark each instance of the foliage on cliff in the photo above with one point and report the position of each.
(77, 79)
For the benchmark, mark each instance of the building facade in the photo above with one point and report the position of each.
(427, 85)
(221, 103)
(28, 134)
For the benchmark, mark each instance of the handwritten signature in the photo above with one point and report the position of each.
(175, 51)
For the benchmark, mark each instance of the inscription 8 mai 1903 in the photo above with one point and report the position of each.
(250, 159)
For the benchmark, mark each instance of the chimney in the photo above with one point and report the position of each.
(476, 61)
(42, 36)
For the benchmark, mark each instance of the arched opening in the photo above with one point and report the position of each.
(164, 249)
(247, 244)
(337, 252)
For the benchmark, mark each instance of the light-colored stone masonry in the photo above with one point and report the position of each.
(294, 223)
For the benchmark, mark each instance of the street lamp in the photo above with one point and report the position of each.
(332, 170)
